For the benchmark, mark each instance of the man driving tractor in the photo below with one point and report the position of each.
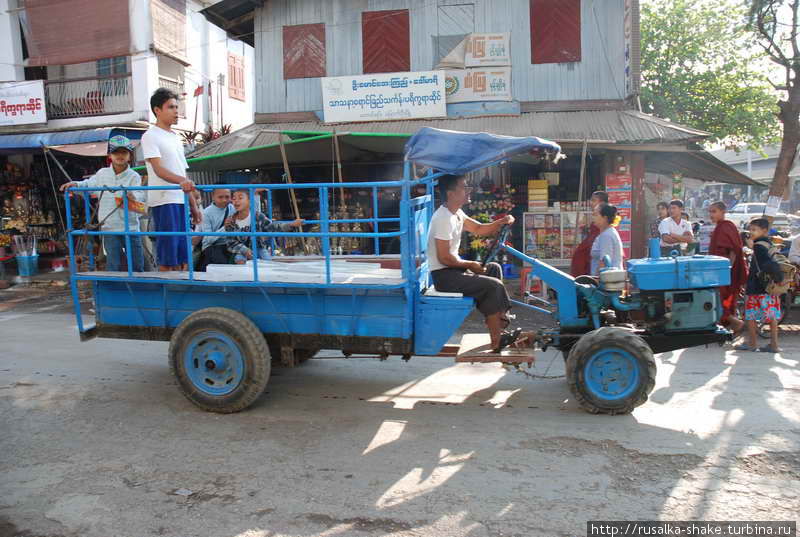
(451, 274)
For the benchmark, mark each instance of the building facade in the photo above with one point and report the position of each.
(101, 61)
(565, 50)
(572, 67)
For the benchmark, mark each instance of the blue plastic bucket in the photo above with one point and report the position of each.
(27, 265)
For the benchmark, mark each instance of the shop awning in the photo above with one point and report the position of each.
(236, 17)
(696, 164)
(88, 142)
(669, 147)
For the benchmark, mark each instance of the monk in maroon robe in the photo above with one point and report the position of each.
(726, 241)
(582, 258)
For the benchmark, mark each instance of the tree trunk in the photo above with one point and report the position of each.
(790, 117)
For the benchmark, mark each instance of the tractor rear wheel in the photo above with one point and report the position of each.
(611, 371)
(220, 359)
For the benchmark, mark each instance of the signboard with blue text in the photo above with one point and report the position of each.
(384, 97)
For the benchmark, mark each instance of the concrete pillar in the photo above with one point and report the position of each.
(144, 62)
(639, 224)
(11, 68)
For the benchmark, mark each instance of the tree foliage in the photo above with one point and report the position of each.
(701, 67)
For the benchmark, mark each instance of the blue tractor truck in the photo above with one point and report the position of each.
(227, 329)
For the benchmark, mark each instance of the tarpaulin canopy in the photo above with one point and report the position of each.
(461, 152)
(79, 140)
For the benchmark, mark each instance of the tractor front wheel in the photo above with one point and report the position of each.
(611, 371)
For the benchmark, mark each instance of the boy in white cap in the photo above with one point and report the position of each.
(110, 209)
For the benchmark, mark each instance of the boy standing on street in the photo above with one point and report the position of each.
(166, 166)
(110, 212)
(759, 305)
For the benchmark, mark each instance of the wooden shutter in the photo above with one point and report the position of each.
(386, 43)
(304, 51)
(169, 28)
(555, 31)
(75, 31)
(236, 77)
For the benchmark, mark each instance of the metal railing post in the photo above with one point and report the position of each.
(325, 227)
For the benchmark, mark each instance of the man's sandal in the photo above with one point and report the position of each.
(768, 349)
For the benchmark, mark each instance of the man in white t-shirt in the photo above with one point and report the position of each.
(675, 230)
(166, 166)
(451, 274)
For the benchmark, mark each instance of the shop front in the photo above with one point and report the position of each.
(32, 211)
(614, 151)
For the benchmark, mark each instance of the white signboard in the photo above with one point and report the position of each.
(627, 28)
(478, 84)
(384, 97)
(22, 103)
(483, 50)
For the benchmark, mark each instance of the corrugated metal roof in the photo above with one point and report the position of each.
(605, 126)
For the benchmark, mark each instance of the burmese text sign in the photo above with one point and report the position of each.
(483, 50)
(384, 96)
(478, 84)
(22, 103)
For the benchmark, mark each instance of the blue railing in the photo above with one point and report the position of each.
(412, 246)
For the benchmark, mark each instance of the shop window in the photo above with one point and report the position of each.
(112, 66)
(386, 45)
(555, 31)
(236, 77)
(303, 51)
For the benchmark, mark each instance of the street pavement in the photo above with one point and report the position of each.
(97, 441)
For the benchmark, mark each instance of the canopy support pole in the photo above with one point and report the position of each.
(292, 195)
(581, 185)
(338, 165)
(53, 183)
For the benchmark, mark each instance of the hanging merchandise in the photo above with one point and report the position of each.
(677, 186)
(619, 188)
(489, 204)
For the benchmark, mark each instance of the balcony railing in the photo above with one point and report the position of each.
(176, 86)
(93, 96)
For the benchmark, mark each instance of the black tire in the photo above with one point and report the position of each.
(632, 350)
(244, 339)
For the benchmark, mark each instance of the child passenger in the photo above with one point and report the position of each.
(240, 247)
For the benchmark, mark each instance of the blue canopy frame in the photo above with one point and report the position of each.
(457, 152)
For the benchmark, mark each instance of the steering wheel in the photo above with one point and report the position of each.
(497, 243)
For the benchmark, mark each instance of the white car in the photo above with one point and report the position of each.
(742, 213)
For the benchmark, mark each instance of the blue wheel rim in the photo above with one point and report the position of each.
(213, 363)
(611, 374)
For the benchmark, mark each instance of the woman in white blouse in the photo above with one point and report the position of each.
(607, 242)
